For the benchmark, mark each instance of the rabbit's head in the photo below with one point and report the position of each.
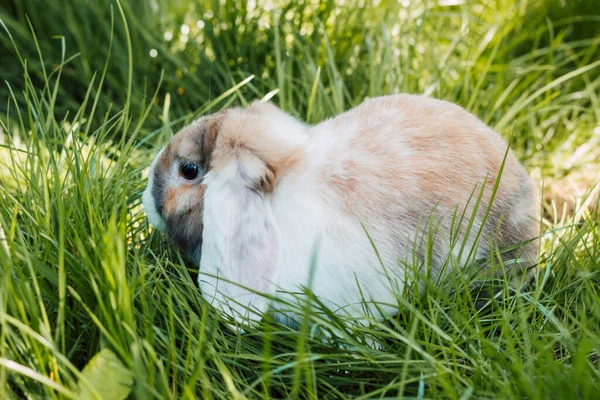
(173, 199)
(209, 189)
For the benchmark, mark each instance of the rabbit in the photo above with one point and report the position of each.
(266, 205)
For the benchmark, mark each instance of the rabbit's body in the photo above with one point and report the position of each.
(355, 198)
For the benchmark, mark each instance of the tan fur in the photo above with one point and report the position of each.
(170, 204)
(448, 156)
(244, 135)
(433, 173)
(173, 201)
(164, 162)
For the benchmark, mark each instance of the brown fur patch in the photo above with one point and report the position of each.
(165, 159)
(170, 204)
(195, 142)
(267, 182)
(248, 137)
(182, 198)
(210, 130)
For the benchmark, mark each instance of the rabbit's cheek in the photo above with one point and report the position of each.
(182, 199)
(171, 202)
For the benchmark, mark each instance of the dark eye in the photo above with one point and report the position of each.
(188, 171)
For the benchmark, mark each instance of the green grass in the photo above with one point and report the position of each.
(84, 106)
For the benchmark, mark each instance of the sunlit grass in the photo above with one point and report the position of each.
(81, 270)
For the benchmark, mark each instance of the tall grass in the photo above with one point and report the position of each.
(81, 271)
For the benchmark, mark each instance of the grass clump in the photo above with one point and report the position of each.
(81, 270)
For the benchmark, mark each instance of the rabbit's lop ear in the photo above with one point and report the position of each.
(241, 238)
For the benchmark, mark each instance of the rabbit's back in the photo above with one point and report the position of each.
(399, 164)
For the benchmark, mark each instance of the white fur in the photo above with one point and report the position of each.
(241, 244)
(315, 238)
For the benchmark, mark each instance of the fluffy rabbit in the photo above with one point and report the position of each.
(258, 199)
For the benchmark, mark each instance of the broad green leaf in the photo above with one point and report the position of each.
(108, 378)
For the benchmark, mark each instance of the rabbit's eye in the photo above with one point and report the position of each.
(188, 171)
